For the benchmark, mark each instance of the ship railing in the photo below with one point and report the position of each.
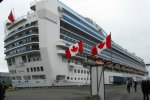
(21, 52)
(17, 20)
(18, 45)
(18, 38)
(18, 31)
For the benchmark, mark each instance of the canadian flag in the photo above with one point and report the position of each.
(74, 49)
(11, 17)
(105, 44)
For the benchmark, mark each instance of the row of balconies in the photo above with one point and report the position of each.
(65, 32)
(21, 29)
(17, 21)
(26, 58)
(20, 38)
(125, 52)
(24, 51)
(29, 42)
(108, 52)
(114, 58)
(112, 45)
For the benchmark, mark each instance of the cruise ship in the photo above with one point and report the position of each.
(35, 47)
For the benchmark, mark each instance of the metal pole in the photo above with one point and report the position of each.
(103, 80)
(87, 77)
(91, 80)
(97, 80)
(13, 11)
(111, 53)
(100, 79)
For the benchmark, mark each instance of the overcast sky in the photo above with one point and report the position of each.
(127, 20)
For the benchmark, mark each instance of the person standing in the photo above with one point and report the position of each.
(135, 86)
(4, 88)
(1, 91)
(130, 83)
(145, 89)
(128, 86)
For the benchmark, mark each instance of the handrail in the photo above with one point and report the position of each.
(18, 31)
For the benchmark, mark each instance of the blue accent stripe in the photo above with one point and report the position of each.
(80, 26)
(80, 20)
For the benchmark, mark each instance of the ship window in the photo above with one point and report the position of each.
(27, 69)
(87, 72)
(31, 69)
(81, 78)
(27, 25)
(71, 78)
(33, 23)
(35, 39)
(75, 70)
(84, 78)
(35, 31)
(34, 69)
(20, 28)
(78, 78)
(36, 77)
(78, 70)
(42, 69)
(24, 59)
(38, 69)
(81, 71)
(35, 47)
(13, 45)
(75, 78)
(84, 71)
(20, 42)
(68, 78)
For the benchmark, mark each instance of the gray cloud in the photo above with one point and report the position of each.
(127, 20)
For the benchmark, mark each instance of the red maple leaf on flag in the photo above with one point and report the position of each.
(74, 48)
(101, 45)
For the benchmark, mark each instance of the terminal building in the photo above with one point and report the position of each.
(35, 47)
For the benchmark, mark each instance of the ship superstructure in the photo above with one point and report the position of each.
(36, 43)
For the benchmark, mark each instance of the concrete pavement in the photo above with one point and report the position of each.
(72, 93)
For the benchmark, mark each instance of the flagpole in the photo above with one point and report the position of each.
(13, 11)
(111, 50)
